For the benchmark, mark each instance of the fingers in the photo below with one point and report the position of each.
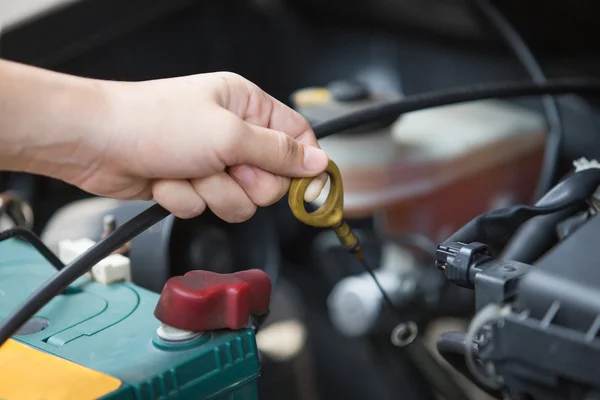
(271, 151)
(262, 187)
(315, 187)
(291, 122)
(265, 188)
(219, 192)
(249, 102)
(225, 198)
(259, 140)
(286, 157)
(232, 198)
(179, 197)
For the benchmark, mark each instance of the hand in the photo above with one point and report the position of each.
(211, 140)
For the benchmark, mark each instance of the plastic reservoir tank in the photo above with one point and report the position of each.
(431, 171)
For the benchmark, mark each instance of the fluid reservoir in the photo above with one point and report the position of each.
(431, 171)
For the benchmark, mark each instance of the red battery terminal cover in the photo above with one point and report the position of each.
(201, 301)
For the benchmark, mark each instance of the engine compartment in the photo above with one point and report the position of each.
(437, 185)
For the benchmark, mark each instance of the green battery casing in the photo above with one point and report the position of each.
(112, 329)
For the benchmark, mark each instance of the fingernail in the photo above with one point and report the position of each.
(315, 159)
(316, 187)
(245, 174)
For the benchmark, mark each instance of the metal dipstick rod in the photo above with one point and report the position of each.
(331, 215)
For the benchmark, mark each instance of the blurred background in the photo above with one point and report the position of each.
(409, 182)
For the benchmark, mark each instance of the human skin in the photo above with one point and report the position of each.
(211, 140)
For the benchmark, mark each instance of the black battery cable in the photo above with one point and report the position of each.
(155, 213)
(35, 241)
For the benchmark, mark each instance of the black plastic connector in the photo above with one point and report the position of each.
(460, 261)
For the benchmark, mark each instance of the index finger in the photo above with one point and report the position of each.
(290, 121)
(257, 107)
(287, 120)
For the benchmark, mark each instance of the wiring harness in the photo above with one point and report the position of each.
(470, 243)
(489, 225)
(495, 225)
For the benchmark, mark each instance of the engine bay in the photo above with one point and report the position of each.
(470, 192)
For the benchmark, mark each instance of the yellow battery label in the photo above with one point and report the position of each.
(30, 374)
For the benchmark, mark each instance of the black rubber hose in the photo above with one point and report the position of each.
(523, 53)
(398, 370)
(496, 225)
(441, 379)
(538, 234)
(36, 242)
(535, 237)
(451, 346)
(454, 96)
(59, 282)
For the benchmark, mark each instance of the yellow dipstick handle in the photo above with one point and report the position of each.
(328, 215)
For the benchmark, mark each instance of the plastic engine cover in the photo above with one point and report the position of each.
(96, 341)
(566, 280)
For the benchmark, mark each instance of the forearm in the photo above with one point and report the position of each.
(44, 116)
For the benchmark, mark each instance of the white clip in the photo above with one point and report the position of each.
(114, 268)
(581, 164)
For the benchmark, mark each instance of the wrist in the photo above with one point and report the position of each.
(53, 123)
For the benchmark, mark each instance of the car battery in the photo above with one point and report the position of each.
(100, 341)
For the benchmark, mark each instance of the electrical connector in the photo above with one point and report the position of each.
(460, 262)
(111, 269)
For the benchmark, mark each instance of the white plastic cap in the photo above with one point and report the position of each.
(172, 334)
(114, 268)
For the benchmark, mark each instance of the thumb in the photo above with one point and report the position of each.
(280, 154)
